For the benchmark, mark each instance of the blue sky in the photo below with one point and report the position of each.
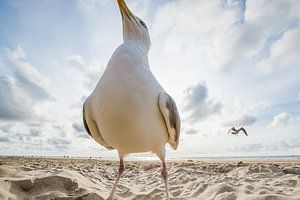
(226, 63)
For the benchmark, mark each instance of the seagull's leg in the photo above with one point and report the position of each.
(121, 170)
(164, 174)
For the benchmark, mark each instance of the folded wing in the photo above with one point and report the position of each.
(170, 114)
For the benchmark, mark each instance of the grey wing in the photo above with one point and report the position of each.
(170, 114)
(84, 121)
(244, 130)
(230, 130)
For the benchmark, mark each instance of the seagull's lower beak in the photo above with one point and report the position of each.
(125, 12)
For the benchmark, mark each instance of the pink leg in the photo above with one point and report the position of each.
(164, 175)
(121, 170)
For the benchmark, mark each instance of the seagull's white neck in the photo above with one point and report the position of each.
(138, 45)
(139, 48)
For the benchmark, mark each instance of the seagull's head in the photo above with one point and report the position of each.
(134, 29)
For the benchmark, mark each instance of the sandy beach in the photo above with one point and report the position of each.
(70, 179)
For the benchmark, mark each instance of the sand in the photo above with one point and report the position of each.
(70, 179)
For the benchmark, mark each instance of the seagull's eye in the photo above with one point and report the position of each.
(143, 24)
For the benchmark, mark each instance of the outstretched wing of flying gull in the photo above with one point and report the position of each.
(235, 131)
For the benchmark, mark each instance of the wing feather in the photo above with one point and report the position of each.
(92, 128)
(84, 121)
(170, 114)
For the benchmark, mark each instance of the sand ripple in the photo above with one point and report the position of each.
(71, 179)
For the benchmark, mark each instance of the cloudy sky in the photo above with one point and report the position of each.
(226, 63)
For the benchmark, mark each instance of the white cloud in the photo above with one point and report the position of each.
(194, 30)
(194, 40)
(197, 104)
(265, 146)
(87, 73)
(281, 119)
(298, 96)
(79, 130)
(190, 131)
(25, 98)
(255, 147)
(15, 104)
(7, 128)
(27, 76)
(284, 53)
(274, 14)
(22, 91)
(262, 20)
(35, 132)
(77, 61)
(244, 113)
(210, 34)
(17, 54)
(4, 139)
(244, 119)
(59, 143)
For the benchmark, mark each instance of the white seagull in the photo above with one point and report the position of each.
(129, 110)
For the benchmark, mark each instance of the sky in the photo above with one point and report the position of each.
(225, 62)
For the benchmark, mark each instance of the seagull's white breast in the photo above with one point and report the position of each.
(125, 104)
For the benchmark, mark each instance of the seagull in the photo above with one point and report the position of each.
(129, 110)
(235, 131)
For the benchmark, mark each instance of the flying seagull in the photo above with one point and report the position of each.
(129, 110)
(235, 131)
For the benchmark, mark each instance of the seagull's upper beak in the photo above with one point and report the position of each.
(125, 12)
(133, 30)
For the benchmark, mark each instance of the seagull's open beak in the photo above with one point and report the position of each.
(125, 12)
